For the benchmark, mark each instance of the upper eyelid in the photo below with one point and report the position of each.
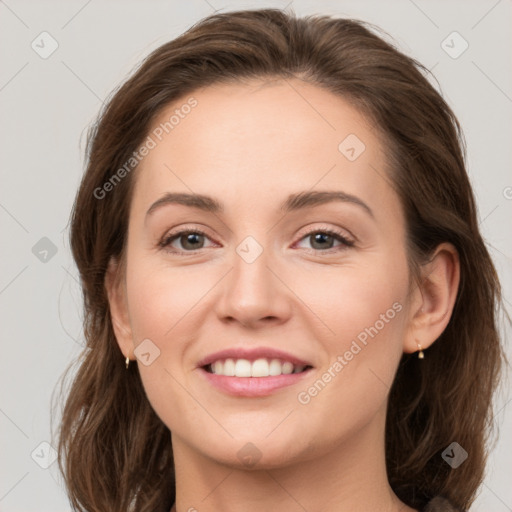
(167, 238)
(336, 230)
(204, 230)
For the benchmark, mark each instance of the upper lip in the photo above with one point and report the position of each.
(252, 354)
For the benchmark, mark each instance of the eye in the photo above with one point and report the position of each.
(323, 239)
(190, 240)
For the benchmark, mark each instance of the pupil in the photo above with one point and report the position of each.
(191, 239)
(321, 237)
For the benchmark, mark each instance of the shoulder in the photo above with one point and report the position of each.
(439, 504)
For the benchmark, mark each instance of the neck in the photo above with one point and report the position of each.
(348, 477)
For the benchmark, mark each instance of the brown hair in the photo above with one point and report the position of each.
(114, 451)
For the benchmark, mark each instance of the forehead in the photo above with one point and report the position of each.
(259, 140)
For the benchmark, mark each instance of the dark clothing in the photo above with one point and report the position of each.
(439, 504)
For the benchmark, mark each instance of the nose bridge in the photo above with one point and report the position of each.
(251, 291)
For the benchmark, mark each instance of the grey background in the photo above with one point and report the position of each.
(46, 106)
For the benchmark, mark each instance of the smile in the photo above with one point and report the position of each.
(262, 367)
(253, 372)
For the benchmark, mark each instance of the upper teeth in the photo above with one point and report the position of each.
(258, 368)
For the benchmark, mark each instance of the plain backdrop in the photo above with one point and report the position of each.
(47, 101)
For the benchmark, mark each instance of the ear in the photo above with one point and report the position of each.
(116, 292)
(433, 298)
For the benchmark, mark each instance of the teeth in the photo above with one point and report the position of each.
(287, 368)
(258, 368)
(217, 367)
(275, 367)
(242, 368)
(229, 368)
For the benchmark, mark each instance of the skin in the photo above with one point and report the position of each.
(249, 146)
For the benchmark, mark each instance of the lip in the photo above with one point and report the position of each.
(252, 386)
(251, 354)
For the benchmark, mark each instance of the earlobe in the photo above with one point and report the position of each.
(118, 308)
(434, 298)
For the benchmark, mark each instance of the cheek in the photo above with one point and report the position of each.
(160, 298)
(362, 313)
(352, 314)
(338, 307)
(357, 301)
(164, 306)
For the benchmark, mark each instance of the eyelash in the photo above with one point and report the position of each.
(167, 240)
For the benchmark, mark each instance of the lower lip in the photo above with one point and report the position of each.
(252, 386)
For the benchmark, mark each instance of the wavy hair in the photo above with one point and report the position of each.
(113, 450)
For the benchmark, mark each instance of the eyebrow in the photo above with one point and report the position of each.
(293, 202)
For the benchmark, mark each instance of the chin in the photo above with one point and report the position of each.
(257, 453)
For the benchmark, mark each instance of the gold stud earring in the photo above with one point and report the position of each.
(127, 361)
(421, 355)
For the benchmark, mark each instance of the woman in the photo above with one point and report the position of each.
(285, 287)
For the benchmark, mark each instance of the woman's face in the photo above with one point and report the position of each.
(300, 251)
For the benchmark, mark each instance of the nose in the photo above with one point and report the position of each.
(255, 293)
